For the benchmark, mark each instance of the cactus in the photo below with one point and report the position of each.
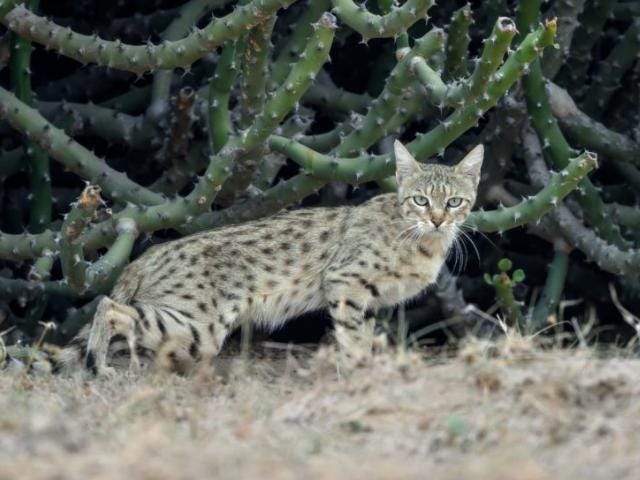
(552, 290)
(504, 284)
(458, 39)
(218, 99)
(369, 25)
(139, 58)
(71, 154)
(225, 118)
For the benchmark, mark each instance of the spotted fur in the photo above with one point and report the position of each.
(180, 300)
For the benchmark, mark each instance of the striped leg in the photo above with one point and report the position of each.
(354, 322)
(110, 319)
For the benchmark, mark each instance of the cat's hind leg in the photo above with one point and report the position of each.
(191, 346)
(111, 318)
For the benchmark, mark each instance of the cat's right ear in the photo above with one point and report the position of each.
(471, 164)
(406, 165)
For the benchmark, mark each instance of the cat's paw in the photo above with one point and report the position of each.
(348, 363)
(380, 343)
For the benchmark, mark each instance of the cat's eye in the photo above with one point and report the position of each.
(454, 202)
(420, 200)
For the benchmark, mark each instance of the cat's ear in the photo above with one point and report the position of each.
(471, 164)
(406, 165)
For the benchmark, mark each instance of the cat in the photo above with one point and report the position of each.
(179, 301)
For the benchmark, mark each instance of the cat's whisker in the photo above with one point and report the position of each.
(455, 249)
(463, 252)
(409, 232)
(453, 254)
(406, 231)
(460, 247)
(468, 230)
(411, 236)
(464, 236)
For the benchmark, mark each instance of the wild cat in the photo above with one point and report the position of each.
(179, 301)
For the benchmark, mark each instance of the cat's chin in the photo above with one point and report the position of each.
(438, 232)
(441, 233)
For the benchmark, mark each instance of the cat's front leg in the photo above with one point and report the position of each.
(349, 306)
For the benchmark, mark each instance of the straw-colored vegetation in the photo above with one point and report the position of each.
(494, 411)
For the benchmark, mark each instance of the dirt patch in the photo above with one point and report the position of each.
(536, 415)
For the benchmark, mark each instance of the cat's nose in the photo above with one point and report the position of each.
(436, 221)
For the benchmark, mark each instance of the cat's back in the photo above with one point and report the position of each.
(288, 244)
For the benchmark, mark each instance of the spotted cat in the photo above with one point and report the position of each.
(179, 301)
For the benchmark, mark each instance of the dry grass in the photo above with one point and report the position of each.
(523, 414)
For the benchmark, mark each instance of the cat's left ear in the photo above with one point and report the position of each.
(471, 164)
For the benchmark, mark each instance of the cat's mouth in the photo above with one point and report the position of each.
(427, 228)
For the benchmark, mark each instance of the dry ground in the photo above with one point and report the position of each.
(517, 415)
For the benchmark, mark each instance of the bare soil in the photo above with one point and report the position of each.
(517, 413)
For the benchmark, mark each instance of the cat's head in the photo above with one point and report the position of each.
(438, 197)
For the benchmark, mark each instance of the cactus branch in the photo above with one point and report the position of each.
(71, 251)
(430, 80)
(25, 246)
(134, 100)
(552, 291)
(96, 278)
(187, 17)
(370, 25)
(611, 70)
(374, 123)
(71, 154)
(101, 275)
(219, 120)
(11, 288)
(495, 47)
(136, 132)
(283, 100)
(590, 133)
(324, 141)
(455, 65)
(40, 271)
(466, 117)
(273, 200)
(140, 58)
(591, 22)
(255, 71)
(560, 151)
(503, 283)
(530, 210)
(11, 162)
(374, 167)
(292, 45)
(625, 215)
(302, 74)
(333, 98)
(176, 147)
(566, 11)
(39, 178)
(178, 175)
(550, 134)
(606, 255)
